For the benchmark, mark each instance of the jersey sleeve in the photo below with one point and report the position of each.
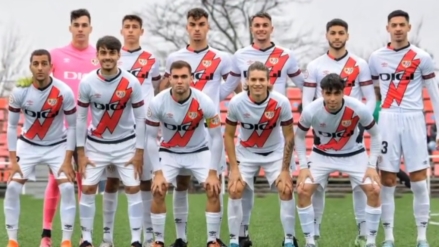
(136, 96)
(286, 115)
(427, 67)
(210, 113)
(69, 105)
(155, 70)
(152, 116)
(309, 84)
(305, 120)
(226, 64)
(169, 61)
(373, 72)
(234, 68)
(366, 117)
(364, 77)
(293, 70)
(15, 100)
(232, 117)
(84, 93)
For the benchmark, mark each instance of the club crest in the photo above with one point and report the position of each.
(269, 114)
(142, 61)
(346, 123)
(207, 63)
(95, 61)
(52, 102)
(348, 70)
(274, 60)
(120, 93)
(406, 63)
(192, 114)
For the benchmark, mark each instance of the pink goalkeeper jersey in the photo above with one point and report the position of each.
(70, 65)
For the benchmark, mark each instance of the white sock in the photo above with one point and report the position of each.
(306, 216)
(373, 216)
(287, 217)
(87, 210)
(148, 233)
(158, 224)
(360, 202)
(135, 214)
(421, 207)
(318, 203)
(12, 208)
(234, 211)
(67, 209)
(248, 198)
(213, 221)
(109, 203)
(181, 210)
(221, 196)
(388, 211)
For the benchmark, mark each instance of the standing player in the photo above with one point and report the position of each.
(335, 119)
(181, 111)
(402, 70)
(209, 67)
(282, 64)
(45, 104)
(261, 113)
(146, 68)
(355, 71)
(70, 64)
(114, 96)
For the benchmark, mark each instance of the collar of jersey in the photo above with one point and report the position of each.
(196, 51)
(111, 79)
(182, 101)
(44, 88)
(266, 49)
(400, 49)
(337, 59)
(334, 113)
(132, 51)
(258, 103)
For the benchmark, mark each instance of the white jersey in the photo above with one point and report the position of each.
(337, 134)
(400, 74)
(209, 67)
(353, 69)
(182, 123)
(260, 131)
(112, 102)
(281, 62)
(44, 111)
(144, 66)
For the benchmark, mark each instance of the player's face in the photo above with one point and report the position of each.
(257, 82)
(197, 29)
(337, 37)
(261, 29)
(180, 80)
(398, 27)
(40, 67)
(131, 31)
(108, 58)
(333, 99)
(80, 29)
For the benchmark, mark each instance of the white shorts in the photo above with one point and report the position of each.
(322, 166)
(105, 154)
(174, 164)
(272, 171)
(29, 156)
(403, 134)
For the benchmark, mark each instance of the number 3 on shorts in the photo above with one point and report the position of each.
(384, 148)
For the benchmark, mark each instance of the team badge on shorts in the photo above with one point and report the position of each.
(149, 113)
(95, 61)
(52, 101)
(406, 63)
(142, 61)
(269, 114)
(274, 60)
(346, 123)
(192, 114)
(120, 93)
(207, 63)
(349, 70)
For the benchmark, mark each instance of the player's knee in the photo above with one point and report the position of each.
(388, 179)
(212, 197)
(236, 191)
(418, 175)
(285, 194)
(373, 194)
(112, 185)
(304, 193)
(89, 189)
(183, 183)
(132, 189)
(158, 198)
(145, 185)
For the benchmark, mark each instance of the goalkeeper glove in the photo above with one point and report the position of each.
(24, 82)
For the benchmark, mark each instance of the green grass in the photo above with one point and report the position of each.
(338, 227)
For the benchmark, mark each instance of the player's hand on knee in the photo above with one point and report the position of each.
(15, 169)
(159, 184)
(67, 169)
(372, 174)
(304, 174)
(235, 181)
(284, 182)
(137, 163)
(83, 163)
(213, 184)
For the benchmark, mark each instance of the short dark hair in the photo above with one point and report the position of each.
(337, 22)
(41, 52)
(261, 15)
(197, 13)
(133, 18)
(398, 13)
(258, 66)
(77, 13)
(180, 64)
(109, 42)
(332, 82)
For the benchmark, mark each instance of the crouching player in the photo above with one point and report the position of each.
(181, 110)
(335, 119)
(261, 113)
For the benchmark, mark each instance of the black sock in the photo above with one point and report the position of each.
(46, 233)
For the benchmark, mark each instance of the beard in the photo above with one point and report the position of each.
(337, 48)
